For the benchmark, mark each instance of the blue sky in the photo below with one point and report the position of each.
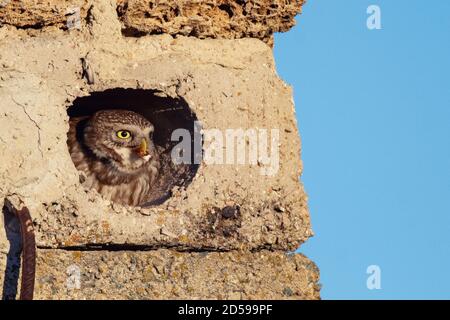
(373, 107)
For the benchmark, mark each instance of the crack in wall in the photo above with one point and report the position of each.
(91, 247)
(35, 124)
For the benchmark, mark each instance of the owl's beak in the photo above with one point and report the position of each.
(142, 150)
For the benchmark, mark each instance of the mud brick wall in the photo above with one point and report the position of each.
(212, 58)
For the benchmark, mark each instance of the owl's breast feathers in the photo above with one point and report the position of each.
(101, 174)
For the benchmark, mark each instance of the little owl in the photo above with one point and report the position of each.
(115, 150)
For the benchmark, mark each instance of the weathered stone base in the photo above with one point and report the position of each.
(168, 274)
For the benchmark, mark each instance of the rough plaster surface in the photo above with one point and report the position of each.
(34, 14)
(229, 19)
(166, 274)
(227, 83)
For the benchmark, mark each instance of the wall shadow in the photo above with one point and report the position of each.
(13, 258)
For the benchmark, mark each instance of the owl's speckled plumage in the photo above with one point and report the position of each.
(119, 169)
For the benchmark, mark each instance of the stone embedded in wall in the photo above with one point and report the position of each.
(231, 19)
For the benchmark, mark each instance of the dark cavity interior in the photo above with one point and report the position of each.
(165, 113)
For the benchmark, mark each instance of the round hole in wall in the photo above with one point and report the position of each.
(166, 114)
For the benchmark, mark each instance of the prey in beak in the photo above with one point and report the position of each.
(142, 150)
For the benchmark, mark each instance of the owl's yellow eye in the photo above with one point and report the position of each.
(123, 134)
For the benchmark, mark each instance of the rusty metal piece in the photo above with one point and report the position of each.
(28, 254)
(28, 249)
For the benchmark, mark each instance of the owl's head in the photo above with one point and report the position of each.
(122, 137)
